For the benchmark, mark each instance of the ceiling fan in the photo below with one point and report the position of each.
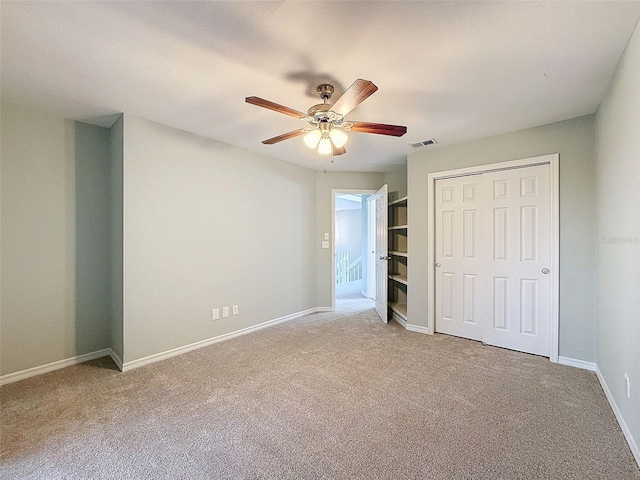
(328, 128)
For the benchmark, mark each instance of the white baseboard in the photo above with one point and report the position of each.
(50, 367)
(616, 411)
(220, 338)
(116, 359)
(574, 362)
(417, 328)
(108, 352)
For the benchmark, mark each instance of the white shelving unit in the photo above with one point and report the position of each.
(399, 309)
(398, 280)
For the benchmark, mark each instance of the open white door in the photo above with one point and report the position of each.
(381, 253)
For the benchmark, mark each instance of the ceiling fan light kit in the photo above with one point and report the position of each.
(325, 147)
(328, 128)
(338, 137)
(312, 138)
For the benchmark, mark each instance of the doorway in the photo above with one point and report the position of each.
(493, 256)
(353, 244)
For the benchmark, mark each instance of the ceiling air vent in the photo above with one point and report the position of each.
(424, 143)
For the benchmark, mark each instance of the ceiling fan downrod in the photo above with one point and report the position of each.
(325, 91)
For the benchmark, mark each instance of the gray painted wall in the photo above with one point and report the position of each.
(618, 167)
(93, 237)
(325, 183)
(210, 225)
(55, 239)
(574, 141)
(397, 181)
(116, 134)
(207, 225)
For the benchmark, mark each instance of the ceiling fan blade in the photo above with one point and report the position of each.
(357, 93)
(337, 150)
(379, 128)
(261, 102)
(285, 136)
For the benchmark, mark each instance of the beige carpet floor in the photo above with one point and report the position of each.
(328, 396)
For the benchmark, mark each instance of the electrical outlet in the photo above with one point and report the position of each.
(215, 314)
(225, 312)
(626, 379)
(325, 244)
(235, 309)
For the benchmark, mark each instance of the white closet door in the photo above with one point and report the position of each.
(458, 256)
(518, 235)
(493, 237)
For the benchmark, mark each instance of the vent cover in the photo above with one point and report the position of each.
(424, 143)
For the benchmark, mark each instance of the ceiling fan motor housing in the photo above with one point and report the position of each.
(318, 113)
(322, 112)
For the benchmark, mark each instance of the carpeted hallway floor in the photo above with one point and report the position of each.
(328, 396)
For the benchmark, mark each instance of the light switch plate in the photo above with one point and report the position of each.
(215, 314)
(326, 236)
(225, 312)
(325, 244)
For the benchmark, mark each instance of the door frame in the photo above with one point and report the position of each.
(334, 192)
(553, 160)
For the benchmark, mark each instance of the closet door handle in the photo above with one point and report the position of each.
(438, 265)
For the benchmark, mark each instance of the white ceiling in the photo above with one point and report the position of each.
(449, 70)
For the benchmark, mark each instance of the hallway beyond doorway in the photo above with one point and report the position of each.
(349, 298)
(353, 233)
